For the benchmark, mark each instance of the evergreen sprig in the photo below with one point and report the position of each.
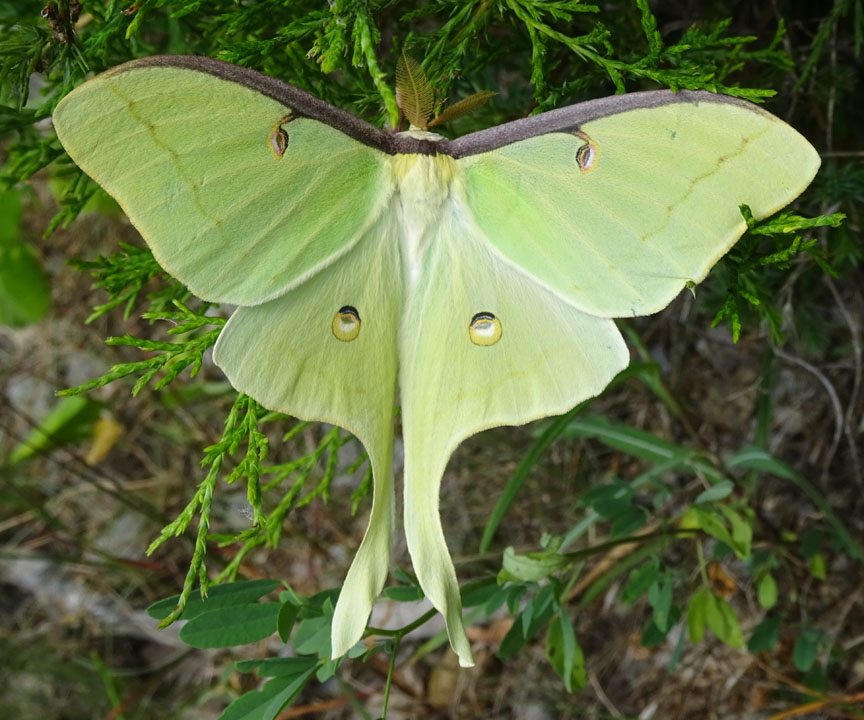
(771, 243)
(124, 274)
(243, 427)
(268, 525)
(78, 192)
(27, 157)
(702, 59)
(201, 505)
(170, 358)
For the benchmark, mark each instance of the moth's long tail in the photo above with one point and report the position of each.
(429, 552)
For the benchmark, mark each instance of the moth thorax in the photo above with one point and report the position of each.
(423, 179)
(423, 187)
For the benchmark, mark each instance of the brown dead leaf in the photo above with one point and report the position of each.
(721, 583)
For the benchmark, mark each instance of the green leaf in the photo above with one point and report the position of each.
(564, 652)
(327, 669)
(707, 517)
(551, 543)
(638, 443)
(513, 640)
(533, 616)
(807, 646)
(679, 647)
(816, 678)
(219, 596)
(233, 625)
(742, 531)
(482, 592)
(722, 621)
(717, 491)
(265, 704)
(660, 597)
(273, 667)
(697, 613)
(596, 494)
(10, 218)
(640, 580)
(70, 420)
(628, 522)
(765, 635)
(789, 223)
(816, 563)
(652, 635)
(360, 649)
(527, 616)
(812, 541)
(766, 591)
(532, 567)
(708, 520)
(404, 577)
(515, 593)
(611, 508)
(285, 620)
(312, 635)
(404, 593)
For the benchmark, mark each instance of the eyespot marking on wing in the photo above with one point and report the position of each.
(279, 137)
(484, 329)
(346, 324)
(586, 155)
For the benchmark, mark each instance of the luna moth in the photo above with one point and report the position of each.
(472, 281)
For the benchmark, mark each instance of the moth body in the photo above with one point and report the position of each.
(422, 186)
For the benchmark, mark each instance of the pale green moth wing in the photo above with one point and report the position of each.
(482, 344)
(247, 189)
(238, 189)
(326, 350)
(624, 200)
(608, 207)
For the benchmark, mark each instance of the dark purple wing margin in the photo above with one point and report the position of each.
(571, 118)
(301, 102)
